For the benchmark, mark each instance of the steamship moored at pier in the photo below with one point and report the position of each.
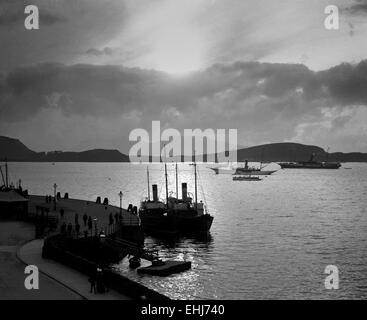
(176, 216)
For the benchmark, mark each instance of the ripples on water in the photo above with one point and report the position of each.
(270, 239)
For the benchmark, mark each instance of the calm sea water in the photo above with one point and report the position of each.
(269, 240)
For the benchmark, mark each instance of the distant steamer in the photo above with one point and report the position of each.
(310, 164)
(244, 170)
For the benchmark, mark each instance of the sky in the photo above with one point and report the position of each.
(97, 69)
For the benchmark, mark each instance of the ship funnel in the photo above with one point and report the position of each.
(184, 191)
(246, 164)
(155, 192)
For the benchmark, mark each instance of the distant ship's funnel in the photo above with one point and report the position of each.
(155, 192)
(184, 191)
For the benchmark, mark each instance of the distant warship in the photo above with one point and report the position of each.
(310, 164)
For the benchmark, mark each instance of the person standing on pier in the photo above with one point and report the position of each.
(92, 280)
(63, 228)
(85, 219)
(77, 229)
(100, 281)
(90, 224)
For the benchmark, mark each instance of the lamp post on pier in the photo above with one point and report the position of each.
(120, 195)
(55, 187)
(95, 226)
(102, 238)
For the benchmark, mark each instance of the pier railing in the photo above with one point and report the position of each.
(133, 249)
(126, 246)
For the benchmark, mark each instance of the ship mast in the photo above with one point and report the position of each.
(148, 183)
(6, 173)
(165, 173)
(261, 158)
(196, 183)
(2, 176)
(176, 182)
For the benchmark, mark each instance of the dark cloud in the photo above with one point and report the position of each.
(358, 7)
(67, 30)
(96, 52)
(48, 18)
(262, 100)
(346, 83)
(94, 90)
(351, 29)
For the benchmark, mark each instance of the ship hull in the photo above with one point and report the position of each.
(254, 172)
(175, 225)
(241, 171)
(201, 224)
(310, 166)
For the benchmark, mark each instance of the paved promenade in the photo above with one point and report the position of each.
(12, 235)
(81, 207)
(30, 253)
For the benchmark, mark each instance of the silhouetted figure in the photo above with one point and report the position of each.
(70, 228)
(85, 219)
(116, 217)
(77, 229)
(62, 213)
(111, 218)
(92, 280)
(90, 223)
(63, 228)
(100, 282)
(76, 218)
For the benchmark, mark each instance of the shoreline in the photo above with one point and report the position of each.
(13, 235)
(41, 270)
(62, 271)
(31, 253)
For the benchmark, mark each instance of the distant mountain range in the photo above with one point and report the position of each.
(14, 150)
(288, 152)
